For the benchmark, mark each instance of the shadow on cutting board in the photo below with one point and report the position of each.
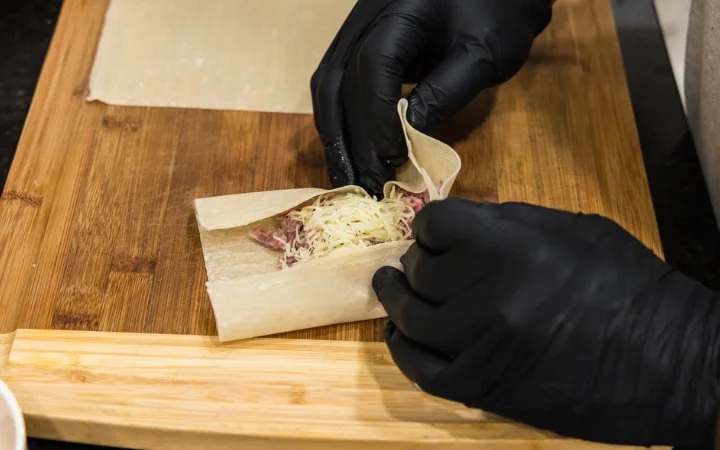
(401, 401)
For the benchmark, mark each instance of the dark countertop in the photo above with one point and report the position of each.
(25, 31)
(688, 228)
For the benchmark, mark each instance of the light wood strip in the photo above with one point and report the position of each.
(189, 392)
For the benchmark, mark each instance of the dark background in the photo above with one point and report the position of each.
(688, 228)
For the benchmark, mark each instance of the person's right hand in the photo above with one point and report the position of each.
(561, 321)
(453, 49)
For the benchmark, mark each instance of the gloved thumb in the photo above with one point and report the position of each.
(451, 85)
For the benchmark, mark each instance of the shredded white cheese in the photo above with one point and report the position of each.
(348, 221)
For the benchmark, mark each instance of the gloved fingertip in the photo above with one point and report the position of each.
(421, 365)
(389, 331)
(374, 181)
(395, 153)
(442, 224)
(417, 112)
(400, 156)
(381, 277)
(339, 164)
(410, 258)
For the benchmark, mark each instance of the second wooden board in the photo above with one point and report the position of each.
(189, 392)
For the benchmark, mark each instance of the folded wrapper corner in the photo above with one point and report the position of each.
(252, 297)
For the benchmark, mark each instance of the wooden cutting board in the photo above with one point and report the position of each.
(97, 233)
(97, 230)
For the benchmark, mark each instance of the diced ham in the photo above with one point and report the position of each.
(416, 201)
(287, 232)
(266, 238)
(288, 229)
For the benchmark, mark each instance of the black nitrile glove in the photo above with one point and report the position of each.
(453, 48)
(564, 322)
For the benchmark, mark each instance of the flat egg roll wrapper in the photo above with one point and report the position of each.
(251, 296)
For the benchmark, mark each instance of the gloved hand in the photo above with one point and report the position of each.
(564, 322)
(453, 48)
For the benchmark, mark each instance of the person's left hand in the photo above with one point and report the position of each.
(453, 49)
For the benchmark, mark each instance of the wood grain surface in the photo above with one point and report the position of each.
(96, 220)
(188, 392)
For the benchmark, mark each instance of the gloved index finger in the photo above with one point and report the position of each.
(443, 224)
(325, 86)
(372, 88)
(538, 216)
(419, 364)
(450, 86)
(414, 316)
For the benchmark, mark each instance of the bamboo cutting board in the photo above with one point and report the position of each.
(97, 233)
(96, 222)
